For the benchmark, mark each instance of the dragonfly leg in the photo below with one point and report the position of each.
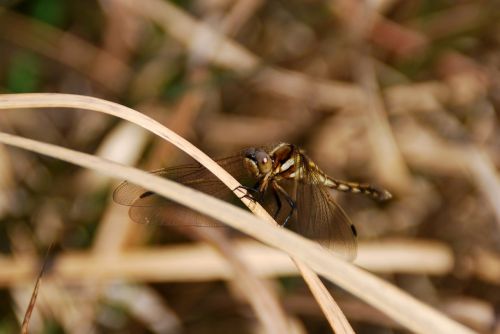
(251, 192)
(277, 188)
(278, 202)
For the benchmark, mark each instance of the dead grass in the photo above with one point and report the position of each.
(400, 94)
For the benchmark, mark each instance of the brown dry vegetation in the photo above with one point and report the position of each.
(404, 94)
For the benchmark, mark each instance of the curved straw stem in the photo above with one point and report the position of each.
(337, 320)
(400, 306)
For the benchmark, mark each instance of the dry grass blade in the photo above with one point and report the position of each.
(227, 53)
(402, 307)
(31, 306)
(384, 296)
(486, 177)
(330, 308)
(199, 262)
(183, 28)
(263, 300)
(34, 295)
(76, 101)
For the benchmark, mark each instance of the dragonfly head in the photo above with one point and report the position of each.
(258, 162)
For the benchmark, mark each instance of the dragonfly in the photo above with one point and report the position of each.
(281, 177)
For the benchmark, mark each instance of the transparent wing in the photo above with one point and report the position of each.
(146, 207)
(320, 218)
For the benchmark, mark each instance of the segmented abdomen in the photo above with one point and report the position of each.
(365, 189)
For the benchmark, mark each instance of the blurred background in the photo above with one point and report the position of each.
(402, 94)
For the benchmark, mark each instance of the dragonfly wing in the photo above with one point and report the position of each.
(157, 210)
(192, 175)
(320, 218)
(149, 208)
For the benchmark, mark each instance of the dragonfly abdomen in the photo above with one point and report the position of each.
(357, 188)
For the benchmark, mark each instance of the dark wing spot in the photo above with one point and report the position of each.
(354, 231)
(146, 194)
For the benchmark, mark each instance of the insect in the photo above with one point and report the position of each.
(281, 177)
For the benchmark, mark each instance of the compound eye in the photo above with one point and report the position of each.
(263, 161)
(250, 153)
